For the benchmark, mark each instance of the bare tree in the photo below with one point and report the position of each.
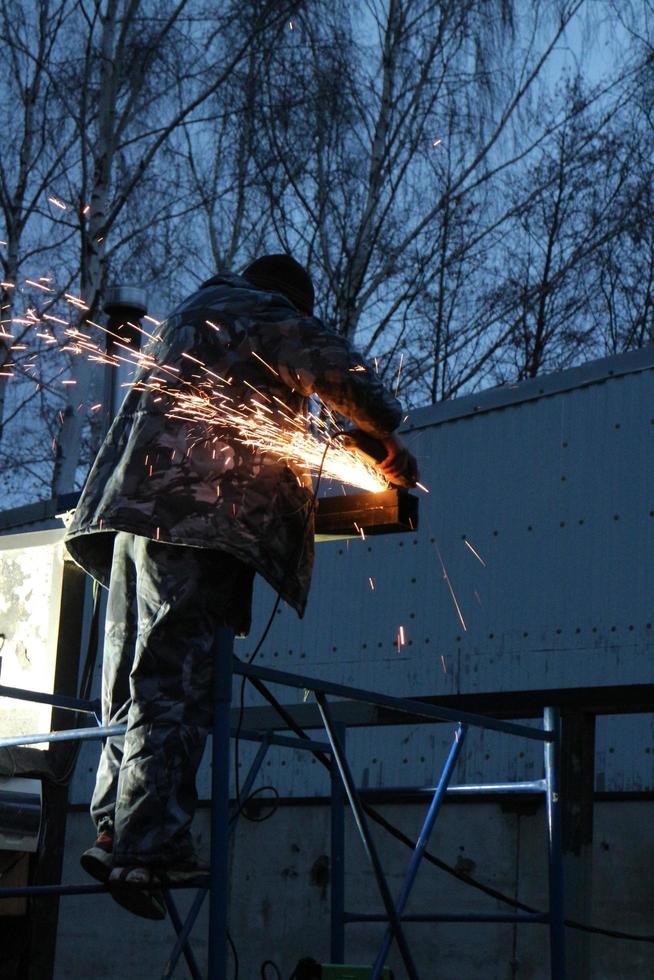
(143, 73)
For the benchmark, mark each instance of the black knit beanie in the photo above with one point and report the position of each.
(282, 274)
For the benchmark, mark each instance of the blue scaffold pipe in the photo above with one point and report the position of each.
(552, 723)
(55, 700)
(537, 917)
(421, 709)
(421, 844)
(68, 735)
(223, 655)
(466, 789)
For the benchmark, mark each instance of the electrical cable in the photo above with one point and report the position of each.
(264, 967)
(429, 857)
(275, 803)
(370, 811)
(239, 804)
(310, 511)
(234, 954)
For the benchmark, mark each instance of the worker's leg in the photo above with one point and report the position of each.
(183, 595)
(119, 645)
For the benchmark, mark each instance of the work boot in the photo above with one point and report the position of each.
(99, 859)
(138, 891)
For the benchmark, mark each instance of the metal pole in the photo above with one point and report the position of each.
(366, 837)
(223, 652)
(337, 811)
(552, 723)
(421, 843)
(70, 734)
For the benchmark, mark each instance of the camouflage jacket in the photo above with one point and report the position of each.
(188, 483)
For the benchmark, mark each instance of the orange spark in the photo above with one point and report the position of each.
(475, 553)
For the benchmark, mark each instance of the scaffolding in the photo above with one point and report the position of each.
(332, 752)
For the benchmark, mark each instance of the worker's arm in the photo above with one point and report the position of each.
(312, 359)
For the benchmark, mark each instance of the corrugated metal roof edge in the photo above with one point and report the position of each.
(492, 399)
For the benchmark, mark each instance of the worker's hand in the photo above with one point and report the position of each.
(399, 466)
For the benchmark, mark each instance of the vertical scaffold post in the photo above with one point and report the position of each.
(552, 723)
(218, 900)
(337, 877)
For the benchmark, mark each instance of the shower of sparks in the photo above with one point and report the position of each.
(475, 553)
(421, 487)
(263, 423)
(371, 582)
(58, 203)
(443, 664)
(400, 639)
(437, 142)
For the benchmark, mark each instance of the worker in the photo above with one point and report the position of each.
(175, 519)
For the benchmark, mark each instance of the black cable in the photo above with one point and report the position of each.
(429, 857)
(240, 805)
(234, 954)
(264, 967)
(274, 803)
(237, 781)
(310, 512)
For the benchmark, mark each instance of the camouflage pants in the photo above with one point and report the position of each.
(165, 602)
